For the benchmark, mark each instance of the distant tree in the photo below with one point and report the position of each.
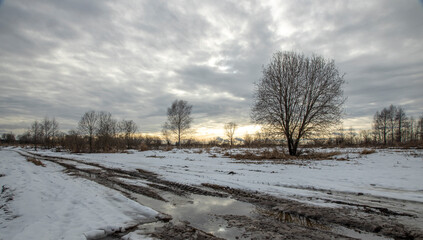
(8, 138)
(88, 126)
(166, 134)
(230, 128)
(128, 128)
(54, 131)
(381, 124)
(106, 131)
(400, 120)
(340, 135)
(25, 138)
(391, 121)
(74, 141)
(298, 96)
(179, 119)
(364, 137)
(46, 129)
(248, 140)
(36, 133)
(420, 128)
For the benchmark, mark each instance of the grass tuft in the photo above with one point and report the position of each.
(35, 161)
(367, 151)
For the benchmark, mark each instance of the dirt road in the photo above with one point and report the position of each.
(208, 211)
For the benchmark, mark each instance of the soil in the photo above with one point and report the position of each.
(355, 215)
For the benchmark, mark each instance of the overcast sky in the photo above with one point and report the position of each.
(133, 58)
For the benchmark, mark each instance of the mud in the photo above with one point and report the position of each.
(273, 218)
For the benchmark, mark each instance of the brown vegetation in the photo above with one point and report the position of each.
(280, 155)
(35, 161)
(367, 151)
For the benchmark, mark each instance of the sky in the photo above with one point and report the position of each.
(134, 58)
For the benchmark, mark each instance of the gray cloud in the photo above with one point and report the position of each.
(133, 58)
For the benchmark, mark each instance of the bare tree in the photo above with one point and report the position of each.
(46, 129)
(50, 129)
(391, 121)
(166, 134)
(54, 131)
(400, 119)
(230, 128)
(179, 118)
(248, 140)
(381, 124)
(298, 96)
(420, 128)
(128, 128)
(88, 126)
(106, 130)
(36, 132)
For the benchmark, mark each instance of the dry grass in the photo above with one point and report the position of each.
(35, 161)
(367, 151)
(155, 156)
(280, 155)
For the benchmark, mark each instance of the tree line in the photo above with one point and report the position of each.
(391, 126)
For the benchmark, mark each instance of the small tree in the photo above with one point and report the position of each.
(178, 119)
(54, 131)
(128, 128)
(46, 128)
(230, 131)
(88, 126)
(166, 134)
(36, 132)
(298, 96)
(106, 130)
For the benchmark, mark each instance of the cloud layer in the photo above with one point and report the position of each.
(133, 58)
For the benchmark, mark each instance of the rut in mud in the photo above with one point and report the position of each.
(261, 217)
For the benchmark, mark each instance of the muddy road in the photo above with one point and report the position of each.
(208, 211)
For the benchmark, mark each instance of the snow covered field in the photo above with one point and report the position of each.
(66, 207)
(44, 203)
(387, 173)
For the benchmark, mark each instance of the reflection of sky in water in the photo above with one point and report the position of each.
(200, 211)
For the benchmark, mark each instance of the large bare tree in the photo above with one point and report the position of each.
(88, 126)
(230, 128)
(298, 96)
(178, 119)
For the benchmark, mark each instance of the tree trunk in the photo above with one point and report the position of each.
(179, 139)
(292, 148)
(91, 143)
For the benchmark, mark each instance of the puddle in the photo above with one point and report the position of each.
(201, 212)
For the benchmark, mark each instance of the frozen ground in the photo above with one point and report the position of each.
(389, 173)
(378, 193)
(44, 203)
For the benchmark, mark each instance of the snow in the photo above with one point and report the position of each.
(387, 173)
(66, 207)
(48, 204)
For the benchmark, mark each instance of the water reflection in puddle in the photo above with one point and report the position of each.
(202, 212)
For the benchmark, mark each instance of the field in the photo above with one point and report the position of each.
(212, 193)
